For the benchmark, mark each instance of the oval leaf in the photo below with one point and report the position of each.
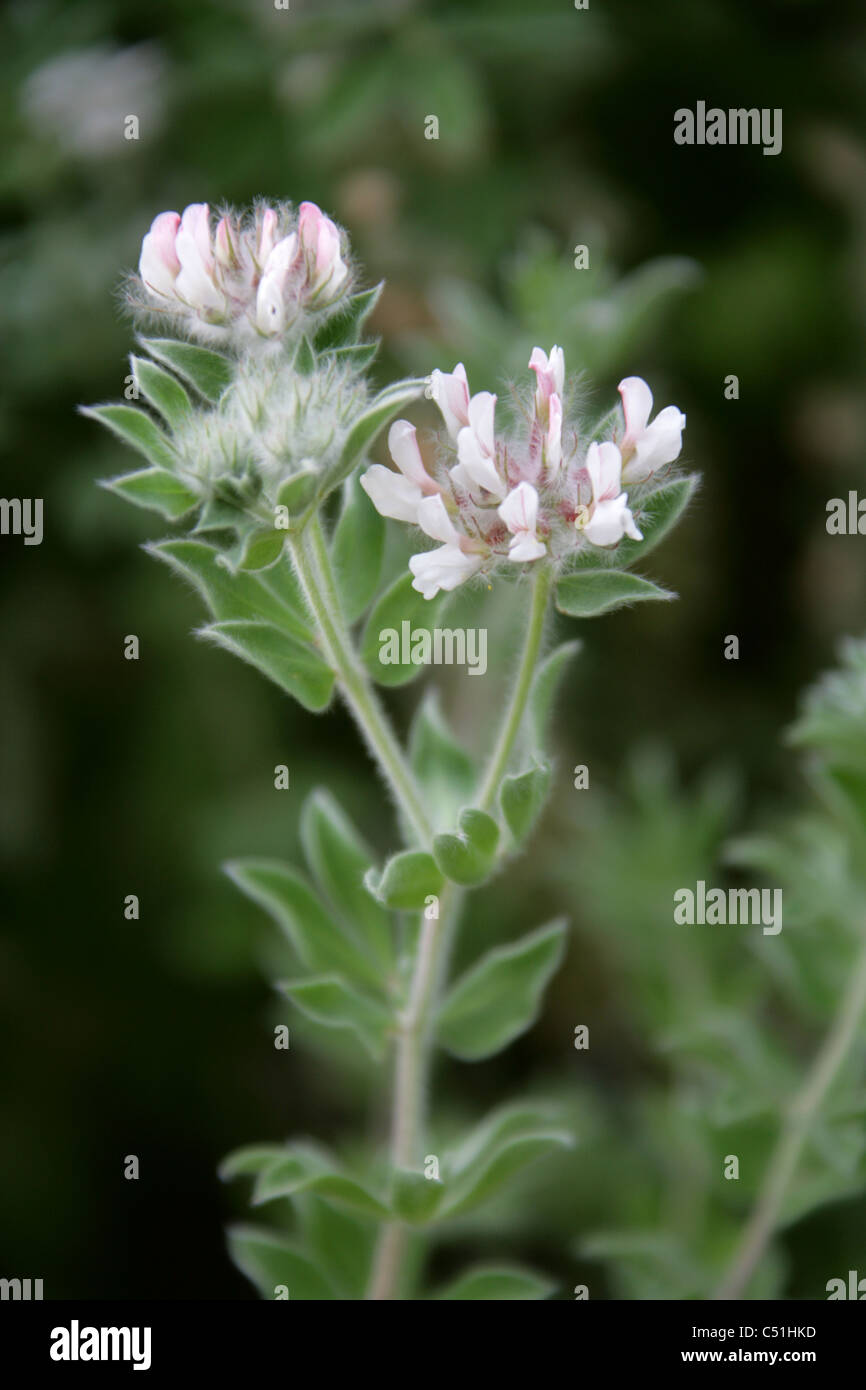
(499, 997)
(295, 668)
(589, 593)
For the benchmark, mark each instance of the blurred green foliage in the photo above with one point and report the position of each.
(555, 130)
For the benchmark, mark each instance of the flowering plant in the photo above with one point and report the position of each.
(260, 408)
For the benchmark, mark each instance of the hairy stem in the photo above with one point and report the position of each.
(413, 1062)
(801, 1115)
(414, 1055)
(316, 579)
(510, 728)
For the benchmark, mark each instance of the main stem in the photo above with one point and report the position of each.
(414, 1055)
(314, 575)
(783, 1164)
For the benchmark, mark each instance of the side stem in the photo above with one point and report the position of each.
(517, 706)
(786, 1156)
(320, 593)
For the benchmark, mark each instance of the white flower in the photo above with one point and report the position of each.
(398, 495)
(550, 376)
(519, 511)
(196, 283)
(159, 266)
(449, 565)
(646, 447)
(450, 391)
(271, 299)
(609, 518)
(391, 494)
(476, 449)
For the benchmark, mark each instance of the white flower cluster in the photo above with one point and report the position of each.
(257, 276)
(492, 499)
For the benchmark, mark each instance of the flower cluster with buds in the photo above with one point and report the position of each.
(489, 498)
(255, 277)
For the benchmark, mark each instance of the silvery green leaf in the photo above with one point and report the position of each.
(445, 770)
(307, 1168)
(209, 372)
(372, 420)
(156, 490)
(331, 1001)
(497, 1165)
(357, 549)
(415, 1198)
(545, 684)
(656, 515)
(249, 1161)
(161, 390)
(294, 667)
(589, 593)
(263, 596)
(344, 328)
(499, 997)
(339, 860)
(318, 940)
(137, 429)
(272, 1262)
(400, 605)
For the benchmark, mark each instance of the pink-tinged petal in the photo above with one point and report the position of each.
(195, 283)
(660, 443)
(444, 568)
(519, 511)
(158, 265)
(403, 445)
(637, 402)
(320, 240)
(450, 391)
(391, 494)
(604, 465)
(550, 374)
(267, 236)
(434, 520)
